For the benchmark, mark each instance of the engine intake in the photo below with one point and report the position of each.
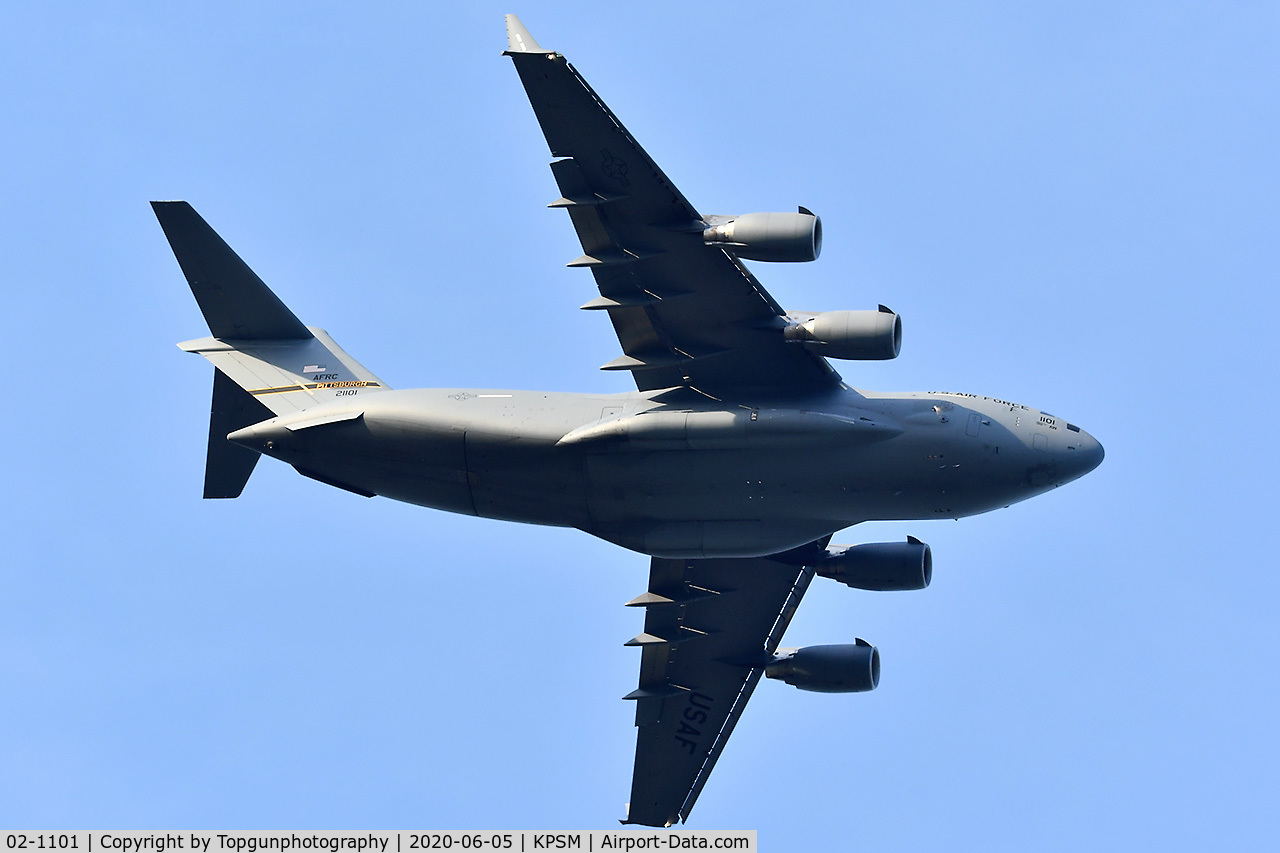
(779, 237)
(828, 669)
(854, 335)
(880, 565)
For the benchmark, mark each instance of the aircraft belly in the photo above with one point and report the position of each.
(426, 466)
(696, 503)
(517, 478)
(419, 463)
(476, 452)
(699, 493)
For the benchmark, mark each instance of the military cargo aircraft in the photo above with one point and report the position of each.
(738, 456)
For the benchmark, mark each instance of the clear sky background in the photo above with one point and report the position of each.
(1073, 207)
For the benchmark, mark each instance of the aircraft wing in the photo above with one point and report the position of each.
(710, 627)
(686, 314)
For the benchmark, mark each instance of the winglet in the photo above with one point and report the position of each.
(518, 38)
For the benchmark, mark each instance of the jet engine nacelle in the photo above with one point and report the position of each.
(782, 237)
(880, 565)
(853, 335)
(828, 669)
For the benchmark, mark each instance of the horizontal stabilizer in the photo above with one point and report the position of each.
(228, 466)
(236, 304)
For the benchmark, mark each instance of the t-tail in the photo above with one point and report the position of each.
(267, 363)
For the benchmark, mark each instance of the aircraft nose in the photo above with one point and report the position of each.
(1082, 455)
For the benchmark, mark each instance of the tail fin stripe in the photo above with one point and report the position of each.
(313, 386)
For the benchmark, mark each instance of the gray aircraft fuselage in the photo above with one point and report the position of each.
(672, 474)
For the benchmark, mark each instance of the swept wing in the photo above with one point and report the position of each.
(710, 627)
(686, 314)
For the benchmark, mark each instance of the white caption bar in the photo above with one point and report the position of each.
(400, 841)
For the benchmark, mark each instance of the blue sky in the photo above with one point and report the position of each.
(1072, 207)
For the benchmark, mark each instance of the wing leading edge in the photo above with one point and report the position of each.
(710, 627)
(685, 313)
